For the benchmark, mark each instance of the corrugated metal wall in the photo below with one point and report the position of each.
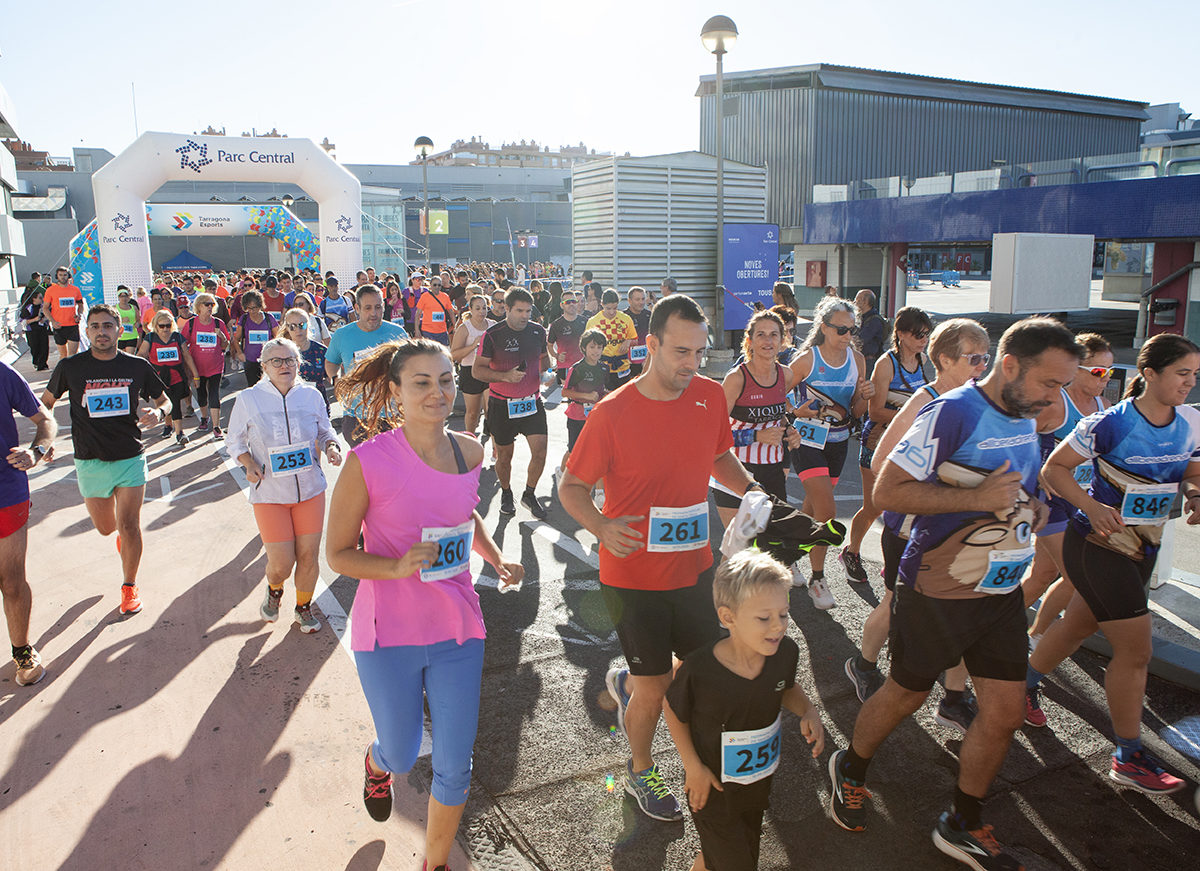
(665, 219)
(828, 136)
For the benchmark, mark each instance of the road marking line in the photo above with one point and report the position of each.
(563, 542)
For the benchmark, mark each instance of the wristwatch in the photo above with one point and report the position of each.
(39, 450)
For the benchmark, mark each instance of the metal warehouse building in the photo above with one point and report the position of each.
(824, 124)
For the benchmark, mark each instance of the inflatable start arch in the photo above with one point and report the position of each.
(122, 185)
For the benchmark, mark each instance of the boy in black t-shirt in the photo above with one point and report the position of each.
(723, 710)
(584, 385)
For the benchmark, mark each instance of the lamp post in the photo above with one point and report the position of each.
(424, 145)
(718, 34)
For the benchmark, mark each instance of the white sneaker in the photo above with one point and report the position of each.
(798, 578)
(598, 498)
(818, 591)
(1033, 642)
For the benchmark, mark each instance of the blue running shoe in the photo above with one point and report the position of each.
(651, 793)
(847, 798)
(615, 680)
(976, 849)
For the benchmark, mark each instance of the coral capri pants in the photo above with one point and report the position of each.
(280, 522)
(394, 680)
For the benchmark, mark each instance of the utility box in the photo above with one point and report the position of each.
(1041, 272)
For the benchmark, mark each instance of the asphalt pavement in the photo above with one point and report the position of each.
(234, 743)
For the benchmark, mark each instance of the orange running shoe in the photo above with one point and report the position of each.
(130, 602)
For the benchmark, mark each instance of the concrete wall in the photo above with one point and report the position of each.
(46, 244)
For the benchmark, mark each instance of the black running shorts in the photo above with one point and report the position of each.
(931, 635)
(505, 430)
(1114, 586)
(654, 624)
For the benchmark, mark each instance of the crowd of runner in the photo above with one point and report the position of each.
(1000, 481)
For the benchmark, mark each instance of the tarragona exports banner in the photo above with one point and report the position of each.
(200, 220)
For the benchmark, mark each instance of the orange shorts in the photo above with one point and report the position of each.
(279, 523)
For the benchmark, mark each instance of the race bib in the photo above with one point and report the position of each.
(672, 530)
(206, 340)
(66, 302)
(289, 460)
(813, 433)
(587, 408)
(167, 354)
(1148, 504)
(1005, 570)
(751, 755)
(359, 356)
(637, 353)
(107, 401)
(438, 317)
(518, 408)
(454, 550)
(259, 337)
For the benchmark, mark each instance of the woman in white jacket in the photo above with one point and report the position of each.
(278, 429)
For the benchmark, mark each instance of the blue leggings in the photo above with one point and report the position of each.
(394, 679)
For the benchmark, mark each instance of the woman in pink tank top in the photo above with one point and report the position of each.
(416, 627)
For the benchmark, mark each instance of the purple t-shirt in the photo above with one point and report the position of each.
(14, 483)
(254, 336)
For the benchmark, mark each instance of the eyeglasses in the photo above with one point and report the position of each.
(977, 359)
(1098, 371)
(841, 331)
(282, 362)
(291, 325)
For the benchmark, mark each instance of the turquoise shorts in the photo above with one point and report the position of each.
(98, 478)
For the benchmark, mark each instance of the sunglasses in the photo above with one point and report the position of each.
(1098, 371)
(841, 331)
(206, 305)
(921, 334)
(977, 359)
(294, 326)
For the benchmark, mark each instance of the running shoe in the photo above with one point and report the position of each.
(181, 440)
(651, 793)
(131, 603)
(305, 617)
(798, 578)
(168, 430)
(377, 793)
(977, 848)
(615, 680)
(847, 799)
(1034, 715)
(217, 434)
(205, 426)
(819, 592)
(853, 565)
(269, 609)
(1033, 642)
(535, 507)
(865, 682)
(957, 715)
(507, 507)
(1145, 773)
(29, 666)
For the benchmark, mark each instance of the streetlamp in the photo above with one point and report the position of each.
(287, 201)
(718, 35)
(424, 145)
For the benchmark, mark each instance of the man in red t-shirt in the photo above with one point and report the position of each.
(273, 301)
(63, 305)
(655, 555)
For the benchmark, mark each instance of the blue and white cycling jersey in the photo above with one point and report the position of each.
(956, 441)
(837, 383)
(1136, 468)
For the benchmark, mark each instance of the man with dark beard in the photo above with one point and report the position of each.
(967, 471)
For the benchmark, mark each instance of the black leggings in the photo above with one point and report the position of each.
(208, 391)
(178, 393)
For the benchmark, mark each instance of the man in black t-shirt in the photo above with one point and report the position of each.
(509, 361)
(640, 315)
(103, 386)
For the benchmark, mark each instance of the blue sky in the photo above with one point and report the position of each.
(618, 75)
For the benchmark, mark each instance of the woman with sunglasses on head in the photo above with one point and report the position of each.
(297, 327)
(207, 338)
(168, 354)
(404, 520)
(278, 430)
(958, 349)
(1081, 397)
(898, 375)
(833, 371)
(1143, 451)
